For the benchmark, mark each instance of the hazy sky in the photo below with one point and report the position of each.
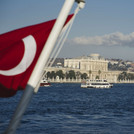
(103, 26)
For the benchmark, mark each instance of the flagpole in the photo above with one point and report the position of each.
(39, 68)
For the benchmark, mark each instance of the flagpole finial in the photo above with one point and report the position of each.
(81, 3)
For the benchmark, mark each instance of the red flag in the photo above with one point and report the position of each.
(19, 52)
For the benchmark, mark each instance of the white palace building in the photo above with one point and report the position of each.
(93, 65)
(93, 62)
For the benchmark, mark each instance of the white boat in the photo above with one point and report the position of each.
(44, 83)
(97, 83)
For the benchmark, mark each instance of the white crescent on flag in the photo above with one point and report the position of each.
(20, 52)
(29, 54)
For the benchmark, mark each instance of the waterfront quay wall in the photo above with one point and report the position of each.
(111, 76)
(65, 80)
(80, 80)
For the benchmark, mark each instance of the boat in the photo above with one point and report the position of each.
(44, 83)
(97, 83)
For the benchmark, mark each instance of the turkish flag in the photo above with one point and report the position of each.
(19, 52)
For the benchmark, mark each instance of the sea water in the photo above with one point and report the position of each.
(69, 109)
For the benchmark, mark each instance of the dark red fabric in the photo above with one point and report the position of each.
(11, 53)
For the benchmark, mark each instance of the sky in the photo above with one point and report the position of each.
(105, 27)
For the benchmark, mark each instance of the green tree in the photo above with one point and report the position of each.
(71, 74)
(90, 72)
(53, 75)
(48, 74)
(84, 76)
(130, 76)
(122, 76)
(78, 74)
(60, 74)
(97, 77)
(126, 76)
(99, 72)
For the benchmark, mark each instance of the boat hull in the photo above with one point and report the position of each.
(44, 84)
(96, 86)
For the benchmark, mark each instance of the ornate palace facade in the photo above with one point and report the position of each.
(93, 65)
(93, 62)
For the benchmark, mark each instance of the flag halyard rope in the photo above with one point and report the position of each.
(63, 36)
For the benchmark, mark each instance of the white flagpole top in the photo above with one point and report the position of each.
(81, 3)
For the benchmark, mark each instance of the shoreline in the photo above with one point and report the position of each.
(80, 80)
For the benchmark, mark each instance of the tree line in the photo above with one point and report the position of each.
(78, 75)
(126, 76)
(68, 75)
(71, 74)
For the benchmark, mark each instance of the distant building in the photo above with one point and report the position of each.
(94, 65)
(113, 62)
(93, 62)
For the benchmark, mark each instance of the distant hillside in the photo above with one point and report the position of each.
(120, 65)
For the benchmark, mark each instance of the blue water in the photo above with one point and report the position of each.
(69, 109)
